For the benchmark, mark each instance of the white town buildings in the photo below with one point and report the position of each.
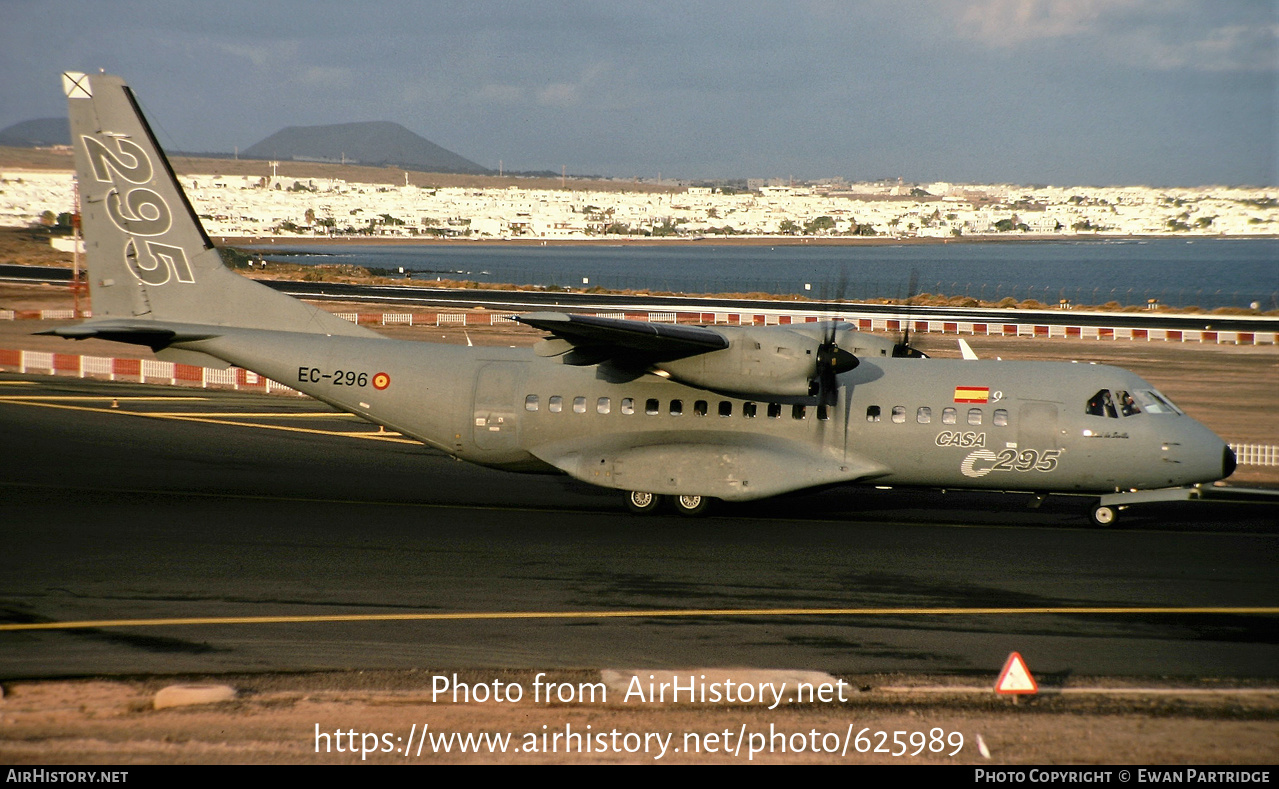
(265, 206)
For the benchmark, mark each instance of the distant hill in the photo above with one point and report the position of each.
(39, 133)
(375, 143)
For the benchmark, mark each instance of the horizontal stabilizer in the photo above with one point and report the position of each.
(153, 334)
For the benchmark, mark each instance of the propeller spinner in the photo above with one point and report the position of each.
(831, 361)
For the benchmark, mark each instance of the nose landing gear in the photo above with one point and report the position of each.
(1103, 515)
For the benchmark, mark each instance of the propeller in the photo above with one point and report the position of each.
(902, 348)
(830, 362)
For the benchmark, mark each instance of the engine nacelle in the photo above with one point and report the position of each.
(772, 361)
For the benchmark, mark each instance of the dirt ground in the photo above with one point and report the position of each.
(375, 716)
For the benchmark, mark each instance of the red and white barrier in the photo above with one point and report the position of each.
(147, 371)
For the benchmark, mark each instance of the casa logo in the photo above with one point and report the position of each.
(381, 381)
(947, 438)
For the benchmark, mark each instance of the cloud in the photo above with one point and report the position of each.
(1160, 35)
(560, 94)
(499, 94)
(569, 94)
(1225, 48)
(325, 77)
(1011, 23)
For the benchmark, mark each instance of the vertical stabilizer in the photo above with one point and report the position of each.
(149, 259)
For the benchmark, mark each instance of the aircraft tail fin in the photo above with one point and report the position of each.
(149, 258)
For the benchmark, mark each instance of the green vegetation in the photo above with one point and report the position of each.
(821, 223)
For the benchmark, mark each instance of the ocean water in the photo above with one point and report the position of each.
(1204, 272)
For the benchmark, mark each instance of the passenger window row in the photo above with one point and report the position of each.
(949, 415)
(654, 407)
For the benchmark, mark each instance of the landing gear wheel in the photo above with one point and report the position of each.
(642, 503)
(1102, 515)
(691, 506)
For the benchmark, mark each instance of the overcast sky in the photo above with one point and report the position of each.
(1064, 92)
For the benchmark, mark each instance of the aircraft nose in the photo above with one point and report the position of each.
(1228, 461)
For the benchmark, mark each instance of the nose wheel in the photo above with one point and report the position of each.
(1103, 515)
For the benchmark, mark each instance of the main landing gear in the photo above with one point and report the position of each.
(642, 503)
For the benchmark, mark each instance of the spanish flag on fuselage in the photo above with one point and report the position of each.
(972, 394)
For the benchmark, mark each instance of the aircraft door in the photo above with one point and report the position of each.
(1037, 426)
(496, 422)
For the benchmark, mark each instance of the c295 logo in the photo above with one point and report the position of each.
(981, 462)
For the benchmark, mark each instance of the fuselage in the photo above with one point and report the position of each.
(1006, 425)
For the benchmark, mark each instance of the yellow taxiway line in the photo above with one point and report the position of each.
(225, 418)
(93, 398)
(666, 613)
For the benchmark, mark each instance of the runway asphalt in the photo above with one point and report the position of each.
(220, 504)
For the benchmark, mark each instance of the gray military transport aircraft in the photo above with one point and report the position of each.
(684, 414)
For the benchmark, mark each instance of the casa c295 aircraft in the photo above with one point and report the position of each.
(665, 413)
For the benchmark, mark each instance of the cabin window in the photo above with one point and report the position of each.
(603, 405)
(1000, 419)
(652, 407)
(530, 403)
(774, 410)
(749, 410)
(677, 408)
(974, 416)
(555, 404)
(872, 413)
(579, 405)
(1101, 404)
(949, 416)
(628, 405)
(798, 411)
(923, 415)
(899, 414)
(725, 408)
(700, 408)
(823, 413)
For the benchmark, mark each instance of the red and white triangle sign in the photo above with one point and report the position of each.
(1016, 678)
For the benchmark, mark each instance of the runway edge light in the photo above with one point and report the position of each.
(1015, 679)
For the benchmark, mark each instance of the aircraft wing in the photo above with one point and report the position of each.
(733, 467)
(587, 339)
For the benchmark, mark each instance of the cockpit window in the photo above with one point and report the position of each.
(1127, 405)
(1155, 402)
(1101, 404)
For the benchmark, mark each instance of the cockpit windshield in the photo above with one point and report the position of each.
(1121, 403)
(1156, 402)
(1101, 404)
